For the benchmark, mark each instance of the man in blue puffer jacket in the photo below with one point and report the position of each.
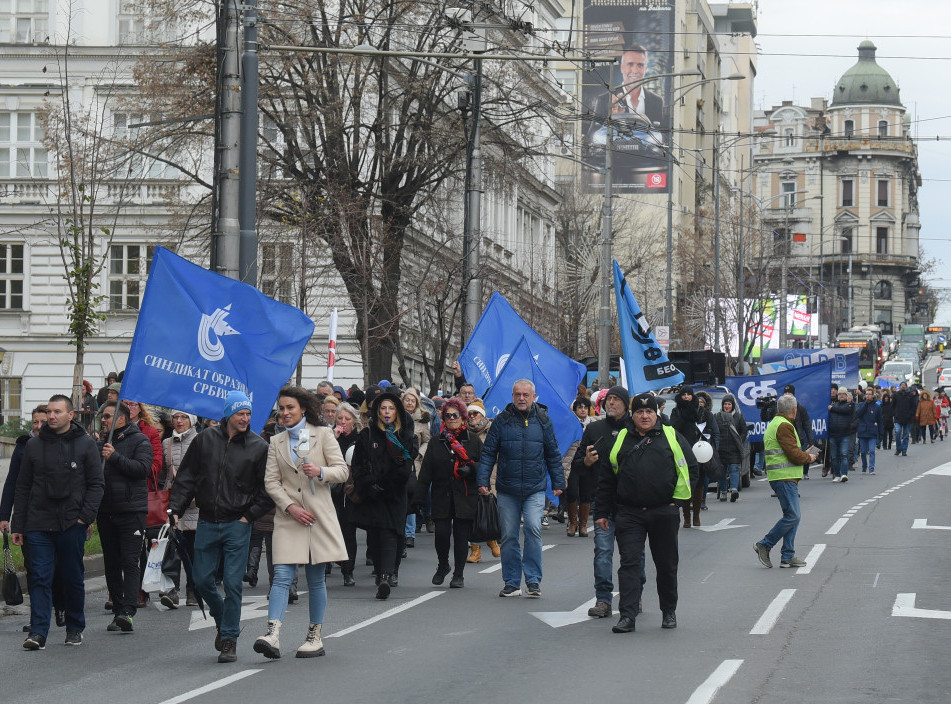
(522, 442)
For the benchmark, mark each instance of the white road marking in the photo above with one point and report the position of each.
(943, 470)
(251, 607)
(905, 606)
(705, 693)
(218, 684)
(922, 523)
(557, 619)
(497, 567)
(771, 615)
(386, 614)
(704, 580)
(723, 524)
(875, 581)
(837, 526)
(812, 558)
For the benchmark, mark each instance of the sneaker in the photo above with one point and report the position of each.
(411, 541)
(124, 622)
(845, 477)
(793, 562)
(533, 590)
(734, 495)
(805, 476)
(601, 609)
(545, 522)
(871, 473)
(190, 598)
(837, 479)
(904, 453)
(762, 552)
(509, 590)
(170, 599)
(34, 641)
(74, 638)
(113, 626)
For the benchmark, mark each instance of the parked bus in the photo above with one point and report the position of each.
(868, 343)
(914, 335)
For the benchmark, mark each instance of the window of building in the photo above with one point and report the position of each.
(136, 25)
(277, 261)
(789, 137)
(881, 240)
(849, 128)
(788, 189)
(11, 276)
(883, 128)
(24, 21)
(883, 291)
(883, 193)
(128, 270)
(22, 154)
(848, 193)
(11, 397)
(846, 240)
(780, 241)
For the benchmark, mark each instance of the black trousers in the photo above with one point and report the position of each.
(458, 530)
(121, 535)
(384, 546)
(349, 531)
(581, 486)
(631, 527)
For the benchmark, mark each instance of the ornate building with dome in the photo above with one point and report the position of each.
(836, 184)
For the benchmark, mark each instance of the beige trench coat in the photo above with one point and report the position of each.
(295, 543)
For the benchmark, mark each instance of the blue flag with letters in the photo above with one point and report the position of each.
(495, 337)
(845, 367)
(813, 384)
(200, 335)
(645, 363)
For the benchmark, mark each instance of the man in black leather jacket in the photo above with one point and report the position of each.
(223, 471)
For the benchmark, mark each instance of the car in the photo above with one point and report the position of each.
(944, 377)
(896, 371)
(945, 361)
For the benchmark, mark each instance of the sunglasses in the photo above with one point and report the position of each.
(451, 416)
(106, 416)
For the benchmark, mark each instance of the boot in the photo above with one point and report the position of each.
(269, 645)
(383, 587)
(313, 647)
(696, 502)
(494, 547)
(584, 510)
(475, 554)
(572, 519)
(686, 509)
(254, 560)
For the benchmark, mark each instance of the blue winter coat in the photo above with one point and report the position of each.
(526, 451)
(869, 416)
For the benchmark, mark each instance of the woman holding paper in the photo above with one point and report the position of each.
(301, 463)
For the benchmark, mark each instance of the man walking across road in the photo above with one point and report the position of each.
(522, 443)
(784, 461)
(223, 471)
(56, 500)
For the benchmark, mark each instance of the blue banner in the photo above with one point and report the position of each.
(646, 364)
(200, 335)
(845, 362)
(813, 383)
(495, 337)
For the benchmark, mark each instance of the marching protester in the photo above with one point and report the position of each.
(841, 414)
(886, 434)
(421, 428)
(347, 429)
(579, 479)
(869, 417)
(648, 469)
(174, 449)
(54, 505)
(733, 434)
(695, 423)
(140, 415)
(223, 472)
(521, 442)
(306, 532)
(926, 416)
(784, 461)
(480, 425)
(906, 405)
(122, 511)
(447, 475)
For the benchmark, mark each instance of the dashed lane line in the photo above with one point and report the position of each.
(497, 567)
(217, 684)
(771, 615)
(386, 614)
(705, 693)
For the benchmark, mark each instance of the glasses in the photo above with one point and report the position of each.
(474, 413)
(451, 416)
(106, 416)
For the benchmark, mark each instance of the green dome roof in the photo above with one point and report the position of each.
(866, 82)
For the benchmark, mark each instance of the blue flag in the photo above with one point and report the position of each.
(200, 335)
(813, 383)
(845, 367)
(646, 364)
(495, 337)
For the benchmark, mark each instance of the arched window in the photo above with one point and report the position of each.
(883, 128)
(849, 128)
(883, 291)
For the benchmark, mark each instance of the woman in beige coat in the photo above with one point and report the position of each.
(301, 463)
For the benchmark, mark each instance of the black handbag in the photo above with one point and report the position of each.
(486, 526)
(12, 593)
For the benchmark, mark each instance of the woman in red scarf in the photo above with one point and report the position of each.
(449, 469)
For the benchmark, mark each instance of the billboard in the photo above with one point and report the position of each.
(639, 37)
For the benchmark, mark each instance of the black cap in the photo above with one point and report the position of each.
(789, 389)
(620, 392)
(644, 401)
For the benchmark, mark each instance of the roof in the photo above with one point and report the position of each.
(866, 83)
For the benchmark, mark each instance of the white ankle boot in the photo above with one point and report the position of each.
(313, 647)
(269, 645)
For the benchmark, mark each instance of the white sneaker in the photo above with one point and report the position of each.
(837, 479)
(845, 477)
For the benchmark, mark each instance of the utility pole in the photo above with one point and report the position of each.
(227, 237)
(248, 175)
(607, 270)
(472, 227)
(741, 286)
(716, 240)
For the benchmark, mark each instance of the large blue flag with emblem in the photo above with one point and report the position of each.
(812, 382)
(495, 337)
(646, 365)
(200, 335)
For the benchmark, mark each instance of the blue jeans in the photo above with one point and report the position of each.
(839, 452)
(759, 461)
(410, 529)
(515, 560)
(901, 436)
(867, 447)
(604, 563)
(316, 591)
(214, 542)
(61, 551)
(730, 478)
(785, 529)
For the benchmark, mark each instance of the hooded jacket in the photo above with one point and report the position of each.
(733, 432)
(869, 416)
(926, 413)
(906, 405)
(602, 434)
(60, 481)
(687, 417)
(126, 471)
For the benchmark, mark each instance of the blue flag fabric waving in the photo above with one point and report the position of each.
(646, 365)
(812, 382)
(495, 337)
(200, 335)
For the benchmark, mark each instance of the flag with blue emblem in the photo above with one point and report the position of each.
(200, 335)
(647, 367)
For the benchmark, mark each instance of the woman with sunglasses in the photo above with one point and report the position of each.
(448, 469)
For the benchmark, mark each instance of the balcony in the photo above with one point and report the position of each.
(40, 192)
(860, 143)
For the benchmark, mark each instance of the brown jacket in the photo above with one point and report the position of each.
(926, 411)
(786, 437)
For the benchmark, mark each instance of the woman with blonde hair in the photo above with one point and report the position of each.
(347, 428)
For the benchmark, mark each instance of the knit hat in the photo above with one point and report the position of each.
(476, 406)
(115, 387)
(621, 393)
(644, 401)
(193, 418)
(411, 391)
(789, 389)
(236, 401)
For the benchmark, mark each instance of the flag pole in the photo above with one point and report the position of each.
(332, 346)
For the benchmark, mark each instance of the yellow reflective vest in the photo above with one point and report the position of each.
(682, 489)
(778, 466)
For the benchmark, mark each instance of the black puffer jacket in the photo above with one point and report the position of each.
(126, 471)
(60, 481)
(906, 405)
(733, 432)
(224, 476)
(602, 434)
(841, 414)
(451, 497)
(687, 417)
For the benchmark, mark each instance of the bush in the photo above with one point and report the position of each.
(93, 547)
(15, 427)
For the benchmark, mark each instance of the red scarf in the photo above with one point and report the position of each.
(455, 447)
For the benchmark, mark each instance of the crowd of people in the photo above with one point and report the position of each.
(392, 462)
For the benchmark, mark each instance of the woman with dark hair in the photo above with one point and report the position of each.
(347, 429)
(695, 423)
(382, 464)
(580, 483)
(448, 469)
(887, 435)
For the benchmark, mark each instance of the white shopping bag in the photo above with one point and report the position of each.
(153, 580)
